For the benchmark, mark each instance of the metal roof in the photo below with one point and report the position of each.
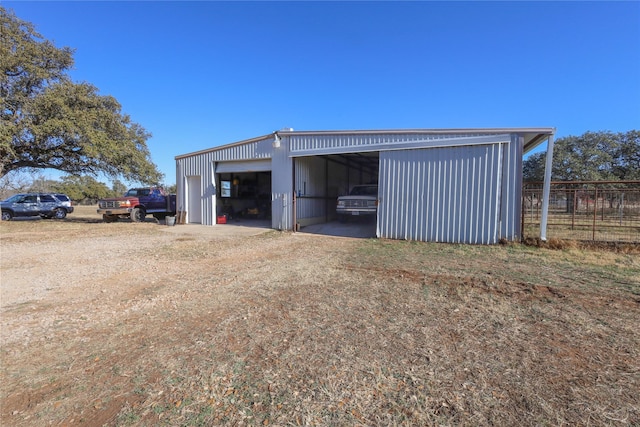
(532, 136)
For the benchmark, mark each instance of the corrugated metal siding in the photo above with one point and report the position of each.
(304, 145)
(281, 187)
(262, 165)
(311, 174)
(511, 203)
(449, 194)
(250, 151)
(202, 164)
(439, 181)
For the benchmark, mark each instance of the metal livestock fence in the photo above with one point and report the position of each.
(604, 211)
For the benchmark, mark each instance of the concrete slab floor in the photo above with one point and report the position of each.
(363, 229)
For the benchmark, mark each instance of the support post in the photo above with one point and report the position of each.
(546, 190)
(294, 199)
(327, 205)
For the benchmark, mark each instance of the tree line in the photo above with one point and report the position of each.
(80, 189)
(592, 156)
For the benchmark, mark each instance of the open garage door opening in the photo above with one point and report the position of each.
(320, 180)
(244, 197)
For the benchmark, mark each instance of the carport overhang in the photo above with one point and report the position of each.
(532, 140)
(532, 136)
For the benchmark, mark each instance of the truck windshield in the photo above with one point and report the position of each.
(138, 192)
(364, 191)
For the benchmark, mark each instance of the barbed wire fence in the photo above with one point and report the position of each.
(603, 211)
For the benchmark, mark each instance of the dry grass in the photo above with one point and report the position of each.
(585, 231)
(283, 329)
(592, 247)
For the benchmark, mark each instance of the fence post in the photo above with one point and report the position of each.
(587, 208)
(524, 206)
(595, 210)
(573, 211)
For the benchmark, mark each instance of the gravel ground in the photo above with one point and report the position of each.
(143, 324)
(35, 268)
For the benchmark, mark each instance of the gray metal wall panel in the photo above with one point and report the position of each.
(251, 151)
(514, 231)
(282, 184)
(310, 183)
(202, 166)
(305, 145)
(511, 204)
(310, 176)
(441, 194)
(263, 165)
(447, 191)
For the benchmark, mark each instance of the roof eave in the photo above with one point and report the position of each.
(222, 147)
(538, 135)
(545, 130)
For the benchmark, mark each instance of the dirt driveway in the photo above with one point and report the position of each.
(141, 324)
(61, 264)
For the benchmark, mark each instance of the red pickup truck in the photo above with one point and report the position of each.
(137, 203)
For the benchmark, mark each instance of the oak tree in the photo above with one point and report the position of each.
(592, 156)
(49, 122)
(83, 188)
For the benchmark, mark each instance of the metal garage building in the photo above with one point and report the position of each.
(441, 185)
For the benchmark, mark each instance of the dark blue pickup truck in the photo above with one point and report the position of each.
(137, 203)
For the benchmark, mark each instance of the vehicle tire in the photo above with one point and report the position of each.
(109, 218)
(59, 213)
(138, 214)
(7, 216)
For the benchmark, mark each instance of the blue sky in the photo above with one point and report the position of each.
(202, 74)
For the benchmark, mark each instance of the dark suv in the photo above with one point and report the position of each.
(45, 205)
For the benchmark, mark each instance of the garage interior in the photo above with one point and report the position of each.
(244, 195)
(319, 180)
